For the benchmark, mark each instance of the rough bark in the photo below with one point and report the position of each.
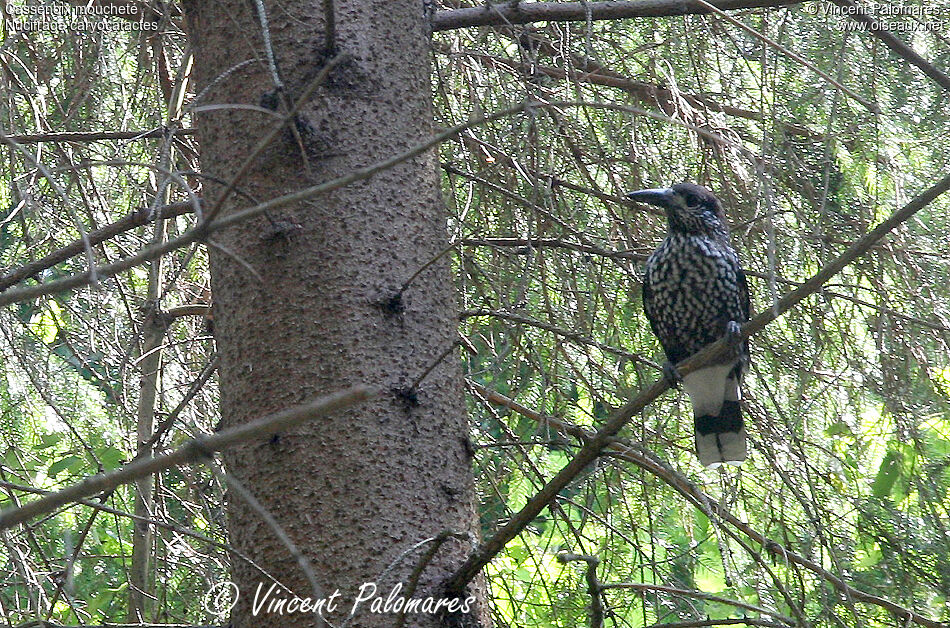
(356, 489)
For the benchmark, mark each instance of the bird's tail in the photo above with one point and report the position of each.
(721, 439)
(720, 434)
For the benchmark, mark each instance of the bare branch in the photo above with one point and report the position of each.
(193, 451)
(133, 220)
(192, 309)
(524, 13)
(94, 136)
(167, 422)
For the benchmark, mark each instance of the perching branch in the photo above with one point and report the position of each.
(595, 443)
(591, 450)
(524, 13)
(192, 451)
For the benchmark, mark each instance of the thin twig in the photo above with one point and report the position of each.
(133, 220)
(91, 273)
(268, 46)
(166, 423)
(329, 22)
(594, 587)
(237, 258)
(299, 557)
(861, 14)
(870, 106)
(419, 270)
(637, 256)
(94, 136)
(434, 364)
(424, 561)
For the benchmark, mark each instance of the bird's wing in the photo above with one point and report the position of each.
(744, 296)
(746, 309)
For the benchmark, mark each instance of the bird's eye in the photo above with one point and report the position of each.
(692, 201)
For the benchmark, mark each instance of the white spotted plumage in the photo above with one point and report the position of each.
(693, 288)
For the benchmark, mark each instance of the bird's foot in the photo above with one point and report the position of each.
(671, 375)
(733, 333)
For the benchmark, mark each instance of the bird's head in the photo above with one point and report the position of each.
(689, 208)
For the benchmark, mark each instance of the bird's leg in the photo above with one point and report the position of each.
(734, 337)
(671, 375)
(733, 333)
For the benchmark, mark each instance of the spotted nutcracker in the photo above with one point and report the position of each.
(694, 292)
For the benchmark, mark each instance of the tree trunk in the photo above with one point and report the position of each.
(356, 490)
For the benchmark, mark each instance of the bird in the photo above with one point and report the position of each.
(694, 293)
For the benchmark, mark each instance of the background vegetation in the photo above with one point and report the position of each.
(849, 395)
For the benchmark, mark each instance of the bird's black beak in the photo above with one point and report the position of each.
(661, 197)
